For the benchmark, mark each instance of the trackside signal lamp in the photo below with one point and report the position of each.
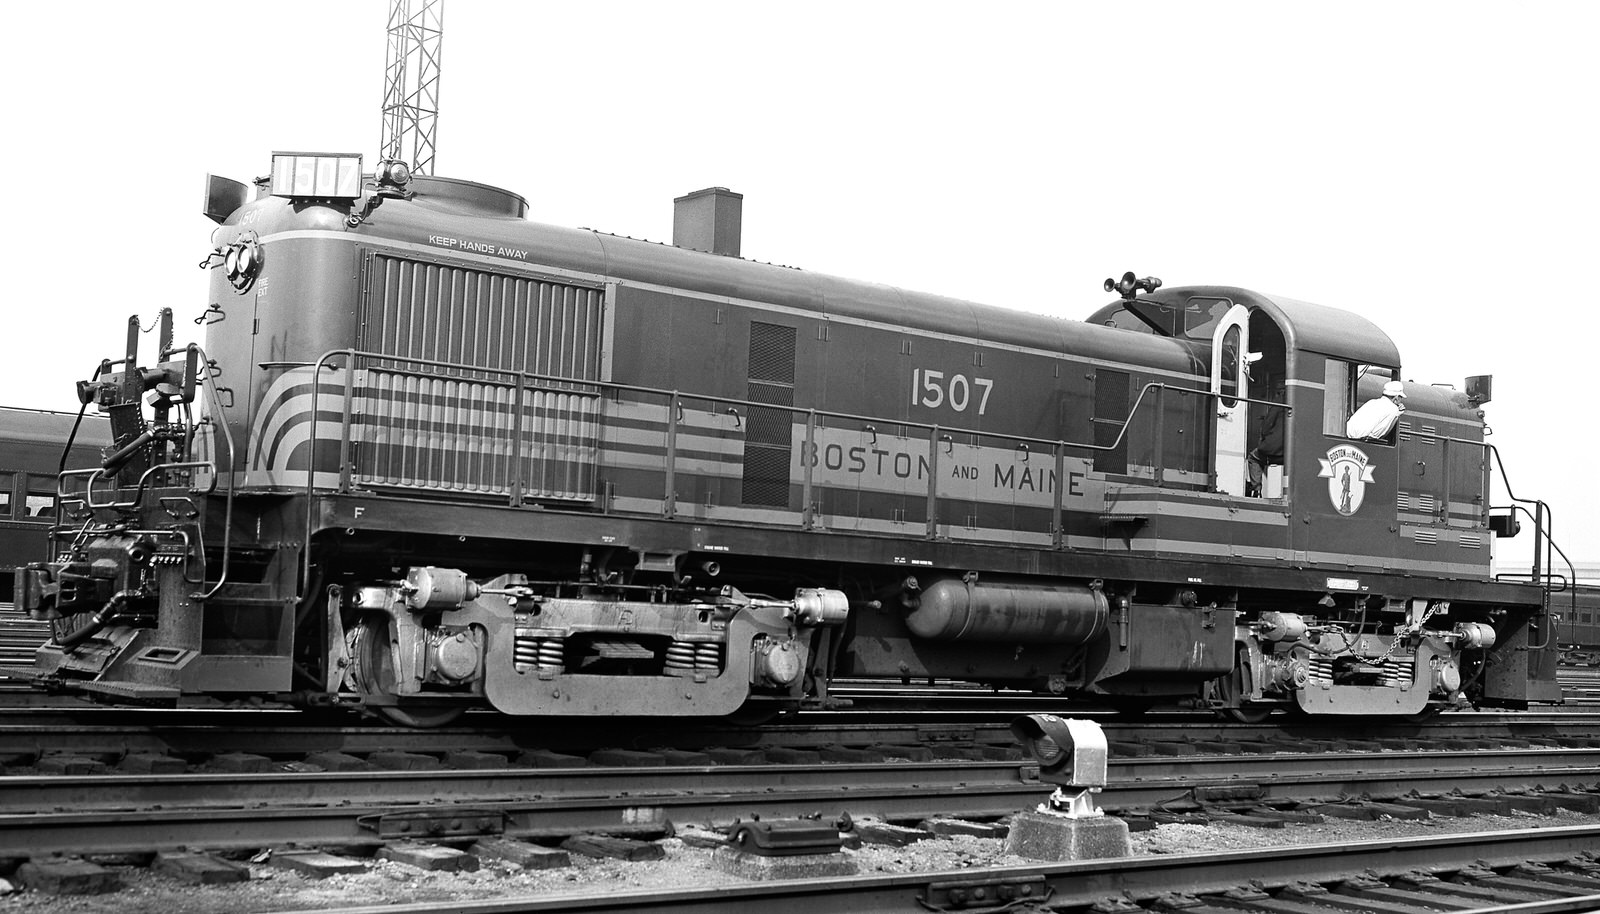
(1072, 754)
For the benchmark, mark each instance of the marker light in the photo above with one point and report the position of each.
(316, 175)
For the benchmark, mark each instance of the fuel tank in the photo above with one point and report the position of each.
(951, 609)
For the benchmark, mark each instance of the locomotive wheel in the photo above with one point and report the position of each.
(373, 673)
(1233, 690)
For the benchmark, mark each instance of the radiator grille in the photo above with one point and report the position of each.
(487, 320)
(457, 429)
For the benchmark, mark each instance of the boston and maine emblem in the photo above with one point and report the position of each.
(1347, 473)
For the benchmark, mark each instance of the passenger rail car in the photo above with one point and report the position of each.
(1579, 628)
(453, 458)
(31, 445)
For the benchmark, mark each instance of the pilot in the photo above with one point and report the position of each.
(1377, 416)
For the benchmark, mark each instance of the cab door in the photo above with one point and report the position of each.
(1230, 347)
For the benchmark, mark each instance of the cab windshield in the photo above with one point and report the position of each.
(1196, 319)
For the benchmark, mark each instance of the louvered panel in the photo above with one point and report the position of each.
(454, 429)
(486, 320)
(458, 435)
(1471, 540)
(560, 430)
(1426, 537)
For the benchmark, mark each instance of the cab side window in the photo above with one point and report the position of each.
(8, 482)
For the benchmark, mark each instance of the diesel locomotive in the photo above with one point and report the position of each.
(433, 456)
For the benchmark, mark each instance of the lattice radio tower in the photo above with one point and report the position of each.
(411, 83)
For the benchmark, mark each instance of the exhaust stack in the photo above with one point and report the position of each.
(708, 220)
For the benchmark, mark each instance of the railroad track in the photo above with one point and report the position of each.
(1470, 873)
(256, 808)
(1182, 770)
(102, 738)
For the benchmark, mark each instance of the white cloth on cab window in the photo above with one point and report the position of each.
(1373, 419)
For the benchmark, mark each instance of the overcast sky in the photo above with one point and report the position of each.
(1429, 165)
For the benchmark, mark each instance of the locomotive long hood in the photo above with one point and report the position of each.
(465, 220)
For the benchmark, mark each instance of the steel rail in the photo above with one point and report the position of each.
(1074, 885)
(200, 732)
(1133, 783)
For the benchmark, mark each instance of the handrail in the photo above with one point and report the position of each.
(227, 511)
(606, 387)
(524, 381)
(146, 482)
(1543, 533)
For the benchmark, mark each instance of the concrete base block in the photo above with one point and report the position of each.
(1046, 836)
(804, 866)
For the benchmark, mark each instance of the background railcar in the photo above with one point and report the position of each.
(455, 458)
(1579, 629)
(31, 446)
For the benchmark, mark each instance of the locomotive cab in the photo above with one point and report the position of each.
(1345, 501)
